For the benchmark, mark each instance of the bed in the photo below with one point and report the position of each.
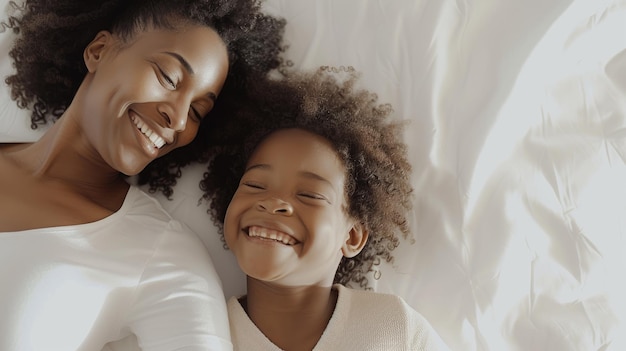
(518, 143)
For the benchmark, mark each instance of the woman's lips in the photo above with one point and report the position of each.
(154, 138)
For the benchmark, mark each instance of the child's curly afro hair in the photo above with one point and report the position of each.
(366, 139)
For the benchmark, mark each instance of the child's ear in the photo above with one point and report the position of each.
(357, 237)
(94, 50)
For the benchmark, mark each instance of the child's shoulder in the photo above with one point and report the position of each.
(384, 319)
(375, 303)
(369, 296)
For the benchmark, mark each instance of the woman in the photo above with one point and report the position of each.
(93, 259)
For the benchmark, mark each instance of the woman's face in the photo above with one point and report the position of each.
(146, 97)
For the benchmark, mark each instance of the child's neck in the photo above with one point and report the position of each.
(293, 318)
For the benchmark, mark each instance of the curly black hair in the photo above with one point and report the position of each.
(48, 55)
(327, 103)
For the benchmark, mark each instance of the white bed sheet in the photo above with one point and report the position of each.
(518, 142)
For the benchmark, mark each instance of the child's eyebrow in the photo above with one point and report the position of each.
(258, 166)
(305, 174)
(316, 176)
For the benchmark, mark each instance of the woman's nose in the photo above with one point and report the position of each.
(275, 206)
(175, 115)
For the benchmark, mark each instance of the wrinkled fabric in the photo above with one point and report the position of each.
(15, 126)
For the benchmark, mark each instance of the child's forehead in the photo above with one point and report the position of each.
(297, 138)
(298, 147)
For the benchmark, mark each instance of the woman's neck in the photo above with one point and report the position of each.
(293, 318)
(62, 156)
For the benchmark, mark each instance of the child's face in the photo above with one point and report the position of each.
(287, 222)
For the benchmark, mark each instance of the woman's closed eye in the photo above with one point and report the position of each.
(195, 115)
(199, 110)
(166, 79)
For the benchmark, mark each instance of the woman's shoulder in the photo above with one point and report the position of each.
(146, 225)
(145, 210)
(147, 213)
(139, 203)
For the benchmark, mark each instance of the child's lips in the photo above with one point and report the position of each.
(270, 235)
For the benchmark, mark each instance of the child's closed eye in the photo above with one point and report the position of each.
(253, 185)
(313, 196)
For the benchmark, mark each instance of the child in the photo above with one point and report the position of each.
(308, 194)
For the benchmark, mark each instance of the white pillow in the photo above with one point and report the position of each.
(14, 122)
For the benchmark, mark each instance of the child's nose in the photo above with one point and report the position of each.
(275, 206)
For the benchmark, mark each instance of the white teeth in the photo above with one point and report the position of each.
(271, 234)
(149, 133)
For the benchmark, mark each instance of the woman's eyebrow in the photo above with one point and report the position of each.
(188, 68)
(182, 61)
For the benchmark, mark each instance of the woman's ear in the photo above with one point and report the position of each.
(94, 50)
(357, 237)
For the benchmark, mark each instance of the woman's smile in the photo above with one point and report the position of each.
(156, 139)
(144, 136)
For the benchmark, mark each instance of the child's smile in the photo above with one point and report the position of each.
(270, 235)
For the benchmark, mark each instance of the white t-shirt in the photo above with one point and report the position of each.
(362, 320)
(137, 271)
